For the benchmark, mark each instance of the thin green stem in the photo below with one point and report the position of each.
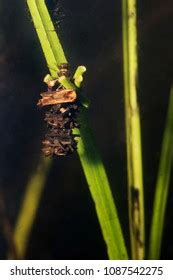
(100, 191)
(29, 206)
(162, 185)
(50, 43)
(133, 130)
(91, 161)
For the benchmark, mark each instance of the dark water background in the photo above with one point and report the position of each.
(66, 226)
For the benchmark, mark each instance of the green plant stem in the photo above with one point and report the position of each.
(162, 185)
(89, 156)
(100, 191)
(133, 131)
(28, 209)
(50, 43)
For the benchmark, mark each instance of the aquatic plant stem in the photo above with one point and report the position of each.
(89, 156)
(29, 206)
(100, 191)
(133, 130)
(162, 185)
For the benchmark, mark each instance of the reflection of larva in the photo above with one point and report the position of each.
(61, 118)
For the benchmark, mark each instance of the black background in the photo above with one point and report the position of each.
(66, 226)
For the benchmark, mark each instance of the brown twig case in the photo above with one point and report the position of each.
(60, 118)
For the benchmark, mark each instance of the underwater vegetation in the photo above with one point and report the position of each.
(107, 107)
